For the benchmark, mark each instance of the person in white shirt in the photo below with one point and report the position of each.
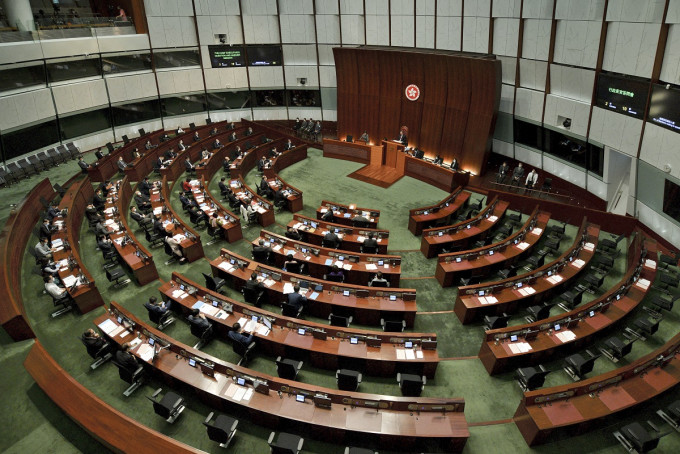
(181, 145)
(179, 130)
(174, 245)
(532, 179)
(43, 250)
(53, 289)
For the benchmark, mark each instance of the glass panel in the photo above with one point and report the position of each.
(671, 200)
(182, 105)
(528, 134)
(26, 76)
(564, 147)
(85, 123)
(596, 159)
(28, 139)
(269, 98)
(228, 100)
(75, 69)
(136, 112)
(304, 98)
(116, 64)
(264, 55)
(177, 59)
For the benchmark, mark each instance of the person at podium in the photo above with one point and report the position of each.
(454, 165)
(438, 160)
(403, 137)
(364, 138)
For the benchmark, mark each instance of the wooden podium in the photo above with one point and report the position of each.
(386, 162)
(393, 155)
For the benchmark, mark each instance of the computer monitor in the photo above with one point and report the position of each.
(408, 344)
(557, 327)
(341, 257)
(353, 340)
(254, 318)
(591, 313)
(458, 259)
(519, 285)
(304, 222)
(345, 293)
(440, 233)
(120, 320)
(232, 261)
(393, 297)
(301, 331)
(314, 224)
(192, 362)
(381, 262)
(513, 338)
(468, 226)
(426, 212)
(481, 293)
(266, 322)
(137, 253)
(490, 252)
(241, 381)
(300, 398)
(181, 287)
(152, 341)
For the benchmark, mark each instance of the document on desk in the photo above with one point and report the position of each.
(347, 266)
(287, 288)
(250, 326)
(71, 279)
(578, 263)
(555, 279)
(107, 326)
(209, 309)
(58, 242)
(519, 347)
(371, 267)
(145, 352)
(537, 231)
(134, 342)
(198, 305)
(360, 239)
(641, 283)
(269, 282)
(328, 262)
(410, 354)
(262, 330)
(314, 296)
(492, 218)
(401, 354)
(589, 247)
(650, 264)
(419, 354)
(566, 336)
(523, 245)
(226, 266)
(157, 211)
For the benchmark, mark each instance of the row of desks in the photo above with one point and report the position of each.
(345, 214)
(423, 218)
(229, 223)
(313, 231)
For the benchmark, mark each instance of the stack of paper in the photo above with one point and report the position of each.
(523, 245)
(642, 283)
(488, 299)
(226, 266)
(287, 288)
(347, 266)
(578, 263)
(566, 336)
(589, 247)
(492, 218)
(519, 347)
(526, 291)
(269, 282)
(537, 231)
(107, 326)
(555, 279)
(145, 352)
(649, 263)
(370, 266)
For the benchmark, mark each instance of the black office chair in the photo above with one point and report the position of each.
(222, 430)
(285, 443)
(66, 304)
(204, 335)
(162, 321)
(369, 249)
(643, 325)
(253, 296)
(331, 244)
(547, 185)
(394, 326)
(615, 348)
(153, 237)
(354, 450)
(635, 437)
(360, 224)
(169, 406)
(572, 298)
(100, 355)
(261, 256)
(243, 350)
(379, 283)
(668, 281)
(117, 276)
(578, 365)
(141, 132)
(126, 139)
(496, 321)
(339, 320)
(664, 302)
(98, 154)
(213, 283)
(530, 378)
(215, 233)
(592, 281)
(328, 277)
(288, 310)
(411, 385)
(539, 312)
(288, 368)
(671, 414)
(134, 377)
(172, 258)
(348, 380)
(110, 259)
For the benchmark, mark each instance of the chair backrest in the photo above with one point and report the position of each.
(370, 249)
(261, 256)
(124, 373)
(141, 132)
(411, 385)
(286, 369)
(251, 295)
(161, 410)
(155, 317)
(394, 325)
(239, 347)
(210, 282)
(379, 284)
(348, 380)
(288, 310)
(339, 320)
(294, 268)
(168, 249)
(199, 331)
(216, 433)
(334, 278)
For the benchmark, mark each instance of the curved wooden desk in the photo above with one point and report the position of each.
(358, 268)
(264, 208)
(343, 214)
(241, 166)
(481, 261)
(117, 431)
(423, 218)
(313, 231)
(105, 168)
(14, 239)
(230, 223)
(366, 304)
(287, 158)
(459, 235)
(327, 347)
(494, 298)
(578, 327)
(550, 413)
(332, 415)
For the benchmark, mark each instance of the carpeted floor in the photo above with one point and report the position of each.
(30, 422)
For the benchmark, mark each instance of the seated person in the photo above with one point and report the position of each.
(145, 187)
(142, 201)
(327, 216)
(364, 137)
(179, 130)
(418, 153)
(170, 155)
(295, 299)
(336, 274)
(92, 214)
(158, 307)
(236, 153)
(502, 172)
(247, 211)
(371, 242)
(217, 144)
(99, 200)
(261, 249)
(165, 137)
(232, 137)
(517, 175)
(53, 289)
(51, 268)
(136, 154)
(47, 229)
(213, 131)
(215, 221)
(438, 160)
(360, 220)
(265, 189)
(255, 285)
(224, 189)
(83, 165)
(231, 126)
(293, 234)
(93, 340)
(261, 163)
(235, 335)
(43, 250)
(148, 145)
(159, 227)
(197, 215)
(101, 229)
(249, 131)
(226, 163)
(205, 154)
(175, 247)
(232, 199)
(331, 239)
(454, 165)
(198, 319)
(196, 137)
(105, 244)
(279, 197)
(291, 264)
(273, 153)
(289, 145)
(126, 359)
(53, 211)
(188, 166)
(180, 146)
(186, 185)
(139, 217)
(379, 279)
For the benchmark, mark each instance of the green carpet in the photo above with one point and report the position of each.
(31, 422)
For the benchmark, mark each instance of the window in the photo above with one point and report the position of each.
(73, 69)
(304, 98)
(117, 64)
(225, 100)
(136, 112)
(564, 147)
(182, 105)
(177, 59)
(28, 139)
(269, 98)
(528, 134)
(671, 200)
(85, 123)
(22, 77)
(595, 156)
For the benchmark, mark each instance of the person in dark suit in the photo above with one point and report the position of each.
(279, 197)
(83, 165)
(517, 175)
(217, 144)
(145, 187)
(46, 229)
(291, 263)
(331, 239)
(170, 154)
(418, 154)
(52, 211)
(231, 198)
(160, 228)
(265, 189)
(149, 146)
(198, 320)
(100, 229)
(213, 131)
(92, 214)
(232, 137)
(126, 359)
(188, 166)
(403, 138)
(235, 335)
(454, 165)
(142, 201)
(164, 138)
(360, 221)
(99, 200)
(226, 162)
(197, 215)
(180, 146)
(288, 146)
(273, 153)
(370, 242)
(293, 234)
(196, 137)
(249, 131)
(295, 299)
(93, 340)
(186, 201)
(105, 244)
(502, 172)
(224, 189)
(261, 163)
(327, 216)
(137, 216)
(122, 165)
(261, 248)
(438, 160)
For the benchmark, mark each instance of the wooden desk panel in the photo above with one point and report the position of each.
(366, 310)
(495, 352)
(504, 253)
(264, 208)
(423, 218)
(458, 235)
(352, 239)
(349, 151)
(438, 176)
(231, 224)
(509, 298)
(339, 218)
(268, 408)
(317, 266)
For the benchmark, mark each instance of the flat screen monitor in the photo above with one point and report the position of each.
(664, 110)
(592, 313)
(393, 297)
(304, 250)
(226, 56)
(345, 293)
(241, 381)
(557, 327)
(353, 340)
(192, 362)
(232, 261)
(440, 233)
(513, 338)
(137, 253)
(301, 331)
(266, 322)
(481, 293)
(254, 318)
(408, 344)
(468, 226)
(314, 224)
(381, 262)
(300, 398)
(120, 320)
(215, 303)
(264, 55)
(622, 94)
(341, 258)
(152, 341)
(426, 212)
(458, 259)
(182, 287)
(491, 252)
(519, 285)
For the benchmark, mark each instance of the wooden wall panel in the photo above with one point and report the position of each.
(454, 116)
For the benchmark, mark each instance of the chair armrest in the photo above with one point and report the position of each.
(271, 438)
(207, 420)
(359, 378)
(424, 380)
(178, 402)
(299, 365)
(157, 392)
(278, 359)
(138, 372)
(399, 378)
(300, 443)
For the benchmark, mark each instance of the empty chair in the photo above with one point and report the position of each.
(222, 429)
(141, 132)
(547, 185)
(593, 281)
(109, 146)
(615, 348)
(117, 276)
(213, 283)
(243, 350)
(340, 320)
(126, 139)
(285, 443)
(668, 261)
(496, 321)
(603, 262)
(99, 354)
(671, 414)
(530, 378)
(348, 380)
(290, 310)
(169, 406)
(215, 233)
(98, 154)
(578, 365)
(668, 280)
(395, 326)
(663, 302)
(66, 304)
(410, 384)
(536, 260)
(504, 230)
(553, 243)
(476, 205)
(134, 377)
(572, 297)
(516, 218)
(636, 438)
(646, 326)
(253, 296)
(288, 368)
(539, 312)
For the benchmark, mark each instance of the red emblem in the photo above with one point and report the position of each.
(412, 92)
